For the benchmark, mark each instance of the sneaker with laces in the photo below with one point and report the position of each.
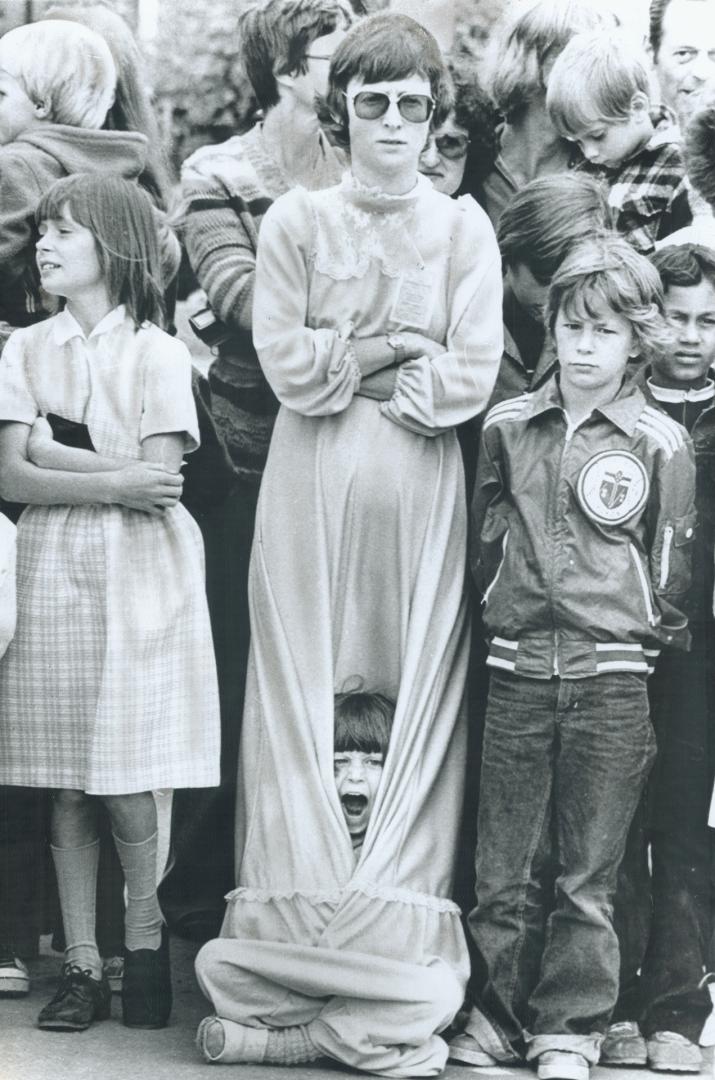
(14, 976)
(113, 968)
(466, 1050)
(562, 1065)
(79, 1001)
(670, 1052)
(624, 1045)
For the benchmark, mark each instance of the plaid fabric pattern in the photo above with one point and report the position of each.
(109, 685)
(649, 193)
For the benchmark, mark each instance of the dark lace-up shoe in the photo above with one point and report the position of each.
(146, 988)
(79, 1001)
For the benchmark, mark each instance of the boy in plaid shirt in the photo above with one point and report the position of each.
(599, 97)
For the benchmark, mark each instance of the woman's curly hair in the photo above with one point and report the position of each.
(474, 111)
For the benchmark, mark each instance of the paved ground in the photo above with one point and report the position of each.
(109, 1051)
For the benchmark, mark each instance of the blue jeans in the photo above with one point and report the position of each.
(563, 766)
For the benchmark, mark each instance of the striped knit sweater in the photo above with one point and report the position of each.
(226, 191)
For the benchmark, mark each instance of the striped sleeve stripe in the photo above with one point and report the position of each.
(609, 646)
(496, 661)
(662, 429)
(621, 665)
(659, 437)
(620, 656)
(502, 653)
(666, 422)
(504, 644)
(506, 410)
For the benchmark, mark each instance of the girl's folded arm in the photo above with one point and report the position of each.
(45, 452)
(140, 485)
(167, 450)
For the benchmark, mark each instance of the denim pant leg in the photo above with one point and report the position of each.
(606, 748)
(682, 925)
(632, 916)
(513, 840)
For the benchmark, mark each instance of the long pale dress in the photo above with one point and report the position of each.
(358, 571)
(109, 685)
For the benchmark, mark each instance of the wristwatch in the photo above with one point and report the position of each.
(397, 343)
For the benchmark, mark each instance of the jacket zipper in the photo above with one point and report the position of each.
(665, 555)
(644, 584)
(493, 582)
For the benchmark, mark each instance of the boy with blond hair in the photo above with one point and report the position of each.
(599, 96)
(57, 81)
(583, 519)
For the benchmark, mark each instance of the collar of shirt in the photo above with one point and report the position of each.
(66, 326)
(624, 411)
(675, 395)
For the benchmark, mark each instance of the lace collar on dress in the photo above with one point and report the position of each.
(356, 226)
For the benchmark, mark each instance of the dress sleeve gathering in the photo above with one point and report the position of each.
(432, 396)
(312, 371)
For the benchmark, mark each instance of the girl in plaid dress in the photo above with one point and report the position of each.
(109, 687)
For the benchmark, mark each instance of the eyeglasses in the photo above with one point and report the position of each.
(371, 104)
(453, 147)
(312, 56)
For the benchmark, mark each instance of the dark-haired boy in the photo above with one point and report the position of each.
(363, 723)
(664, 918)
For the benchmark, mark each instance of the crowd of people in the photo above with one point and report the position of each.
(410, 599)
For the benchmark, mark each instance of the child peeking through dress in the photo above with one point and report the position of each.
(363, 723)
(362, 732)
(108, 689)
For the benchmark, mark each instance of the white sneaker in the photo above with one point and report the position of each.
(562, 1065)
(670, 1052)
(14, 976)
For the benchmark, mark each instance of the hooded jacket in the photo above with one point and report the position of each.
(28, 167)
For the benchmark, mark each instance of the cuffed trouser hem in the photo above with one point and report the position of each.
(490, 1038)
(589, 1046)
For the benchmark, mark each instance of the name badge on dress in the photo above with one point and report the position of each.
(414, 301)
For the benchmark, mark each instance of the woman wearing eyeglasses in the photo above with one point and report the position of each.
(377, 320)
(460, 153)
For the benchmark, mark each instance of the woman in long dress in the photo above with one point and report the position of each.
(377, 320)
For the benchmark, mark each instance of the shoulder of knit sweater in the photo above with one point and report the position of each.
(222, 161)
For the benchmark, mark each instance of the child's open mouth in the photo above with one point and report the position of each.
(354, 804)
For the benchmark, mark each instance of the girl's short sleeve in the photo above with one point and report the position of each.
(168, 404)
(17, 401)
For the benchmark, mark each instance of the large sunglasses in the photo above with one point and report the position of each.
(371, 104)
(453, 147)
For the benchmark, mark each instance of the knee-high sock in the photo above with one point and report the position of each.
(76, 870)
(142, 922)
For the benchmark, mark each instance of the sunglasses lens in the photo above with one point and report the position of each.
(368, 106)
(452, 146)
(415, 107)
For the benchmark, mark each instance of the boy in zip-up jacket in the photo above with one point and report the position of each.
(583, 519)
(664, 916)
